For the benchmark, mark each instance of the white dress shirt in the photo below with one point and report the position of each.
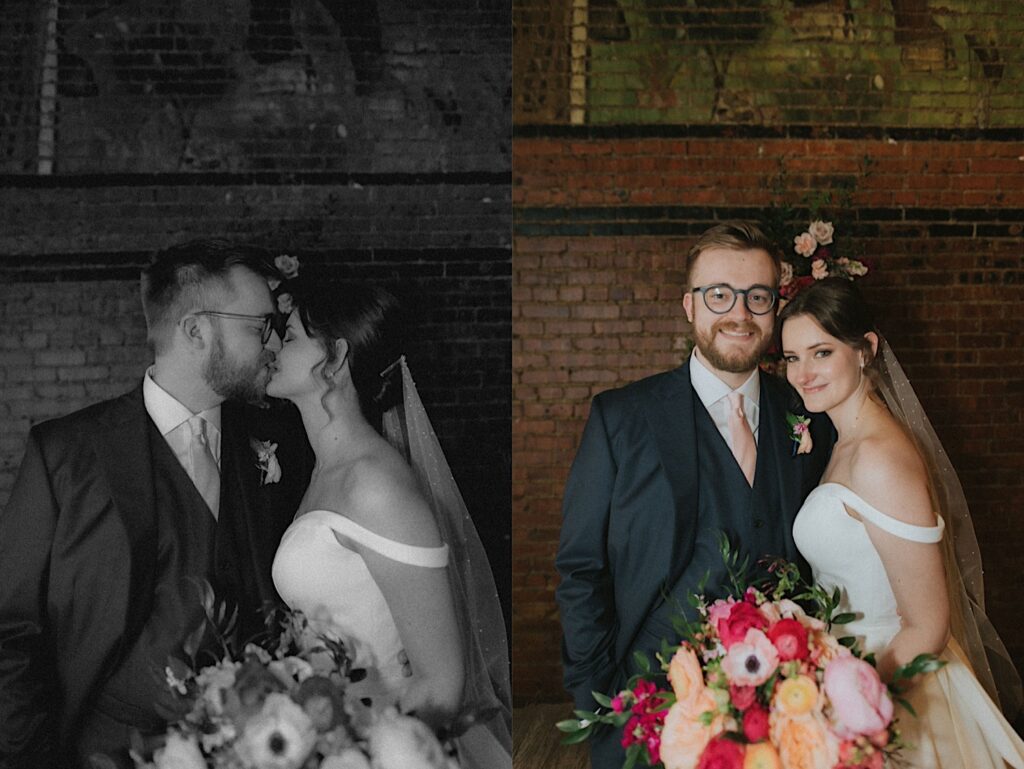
(714, 394)
(171, 418)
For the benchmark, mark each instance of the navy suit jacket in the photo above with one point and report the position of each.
(629, 513)
(78, 557)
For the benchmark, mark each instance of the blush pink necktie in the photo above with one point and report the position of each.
(205, 473)
(743, 446)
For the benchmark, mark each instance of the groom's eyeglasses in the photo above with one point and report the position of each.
(267, 320)
(721, 297)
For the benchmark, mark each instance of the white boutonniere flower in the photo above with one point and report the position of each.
(266, 461)
(800, 433)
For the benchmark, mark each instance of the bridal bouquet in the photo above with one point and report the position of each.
(758, 683)
(284, 703)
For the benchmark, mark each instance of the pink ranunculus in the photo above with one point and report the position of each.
(804, 244)
(742, 617)
(742, 697)
(756, 724)
(821, 231)
(860, 701)
(790, 640)
(819, 269)
(751, 661)
(719, 610)
(722, 753)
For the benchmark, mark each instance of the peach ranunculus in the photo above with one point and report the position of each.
(822, 231)
(819, 269)
(686, 676)
(805, 244)
(803, 741)
(684, 736)
(796, 696)
(762, 755)
(860, 701)
(825, 648)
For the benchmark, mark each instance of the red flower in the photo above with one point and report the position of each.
(742, 617)
(742, 697)
(755, 724)
(721, 753)
(790, 640)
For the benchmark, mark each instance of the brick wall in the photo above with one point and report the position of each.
(638, 126)
(376, 151)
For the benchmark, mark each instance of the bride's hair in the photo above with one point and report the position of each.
(839, 308)
(367, 317)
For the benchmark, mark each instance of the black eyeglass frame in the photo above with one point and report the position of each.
(267, 320)
(702, 290)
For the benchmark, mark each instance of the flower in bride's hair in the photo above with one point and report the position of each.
(752, 661)
(285, 303)
(179, 752)
(804, 244)
(281, 736)
(288, 266)
(397, 741)
(821, 231)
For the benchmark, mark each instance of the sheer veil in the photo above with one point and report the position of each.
(970, 626)
(486, 711)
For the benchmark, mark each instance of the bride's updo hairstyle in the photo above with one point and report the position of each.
(839, 308)
(367, 317)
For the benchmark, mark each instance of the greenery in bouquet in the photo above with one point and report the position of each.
(758, 682)
(285, 701)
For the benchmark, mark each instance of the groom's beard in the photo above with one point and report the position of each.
(232, 380)
(735, 361)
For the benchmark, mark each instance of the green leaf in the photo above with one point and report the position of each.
(577, 737)
(585, 715)
(844, 618)
(907, 706)
(642, 662)
(847, 640)
(632, 756)
(569, 725)
(602, 699)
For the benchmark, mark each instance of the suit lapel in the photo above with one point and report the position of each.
(773, 433)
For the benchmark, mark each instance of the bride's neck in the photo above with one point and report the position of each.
(854, 414)
(335, 431)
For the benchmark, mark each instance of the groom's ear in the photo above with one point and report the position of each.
(193, 330)
(688, 305)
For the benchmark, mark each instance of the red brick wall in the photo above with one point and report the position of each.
(603, 218)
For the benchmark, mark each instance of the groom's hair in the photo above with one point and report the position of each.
(735, 236)
(182, 278)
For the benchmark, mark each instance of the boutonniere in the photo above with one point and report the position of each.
(800, 433)
(266, 461)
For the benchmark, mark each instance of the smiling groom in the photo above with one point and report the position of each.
(666, 463)
(121, 509)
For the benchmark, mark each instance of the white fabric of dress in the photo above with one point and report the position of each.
(958, 725)
(331, 584)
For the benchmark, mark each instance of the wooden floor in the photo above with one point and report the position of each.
(536, 743)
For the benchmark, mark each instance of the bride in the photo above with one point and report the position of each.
(911, 575)
(382, 553)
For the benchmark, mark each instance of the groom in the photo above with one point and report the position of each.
(120, 510)
(667, 463)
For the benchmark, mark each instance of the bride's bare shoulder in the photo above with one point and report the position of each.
(887, 472)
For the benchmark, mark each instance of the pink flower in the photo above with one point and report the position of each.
(756, 724)
(787, 274)
(804, 244)
(741, 618)
(617, 704)
(751, 661)
(819, 269)
(860, 701)
(742, 697)
(790, 640)
(821, 231)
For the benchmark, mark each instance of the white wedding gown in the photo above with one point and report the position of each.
(958, 726)
(332, 586)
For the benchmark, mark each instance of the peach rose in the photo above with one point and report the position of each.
(822, 231)
(287, 265)
(805, 244)
(787, 274)
(686, 676)
(819, 269)
(804, 742)
(860, 701)
(684, 737)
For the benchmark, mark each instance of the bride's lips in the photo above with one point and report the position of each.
(813, 390)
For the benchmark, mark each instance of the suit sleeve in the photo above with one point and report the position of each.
(28, 696)
(585, 593)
